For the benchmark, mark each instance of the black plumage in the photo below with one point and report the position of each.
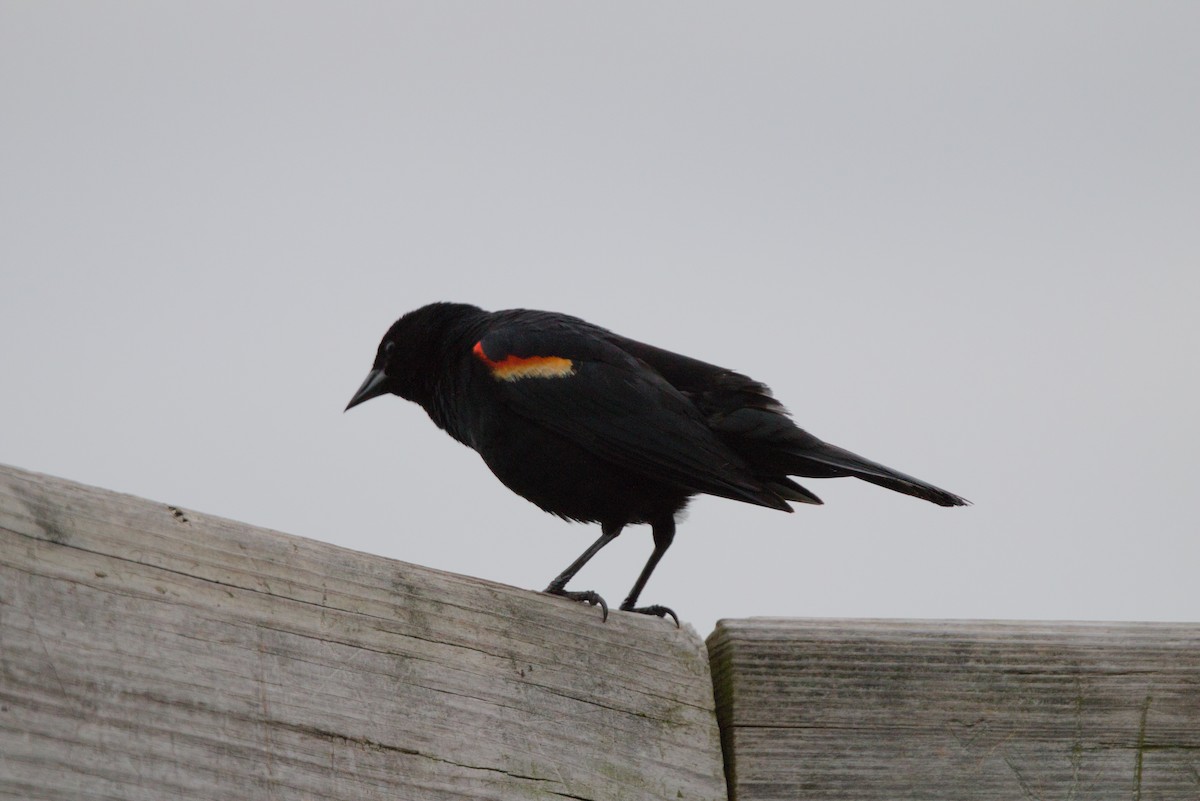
(595, 427)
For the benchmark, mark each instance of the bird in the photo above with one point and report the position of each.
(595, 427)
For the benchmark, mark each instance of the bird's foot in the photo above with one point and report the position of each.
(581, 596)
(656, 610)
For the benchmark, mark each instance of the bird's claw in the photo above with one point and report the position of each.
(656, 609)
(581, 596)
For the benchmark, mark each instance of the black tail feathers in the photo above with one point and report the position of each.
(826, 461)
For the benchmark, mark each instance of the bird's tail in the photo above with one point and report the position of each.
(822, 460)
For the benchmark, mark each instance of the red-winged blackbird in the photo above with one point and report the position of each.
(595, 427)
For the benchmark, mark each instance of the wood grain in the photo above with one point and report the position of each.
(839, 709)
(149, 652)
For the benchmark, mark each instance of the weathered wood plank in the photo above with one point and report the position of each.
(839, 709)
(148, 653)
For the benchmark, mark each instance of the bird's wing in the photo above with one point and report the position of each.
(591, 392)
(744, 413)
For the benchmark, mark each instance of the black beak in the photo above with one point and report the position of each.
(373, 387)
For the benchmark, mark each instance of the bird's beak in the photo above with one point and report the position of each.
(373, 387)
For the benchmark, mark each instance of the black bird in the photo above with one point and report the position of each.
(595, 427)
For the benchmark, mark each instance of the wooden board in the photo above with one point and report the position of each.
(149, 652)
(840, 709)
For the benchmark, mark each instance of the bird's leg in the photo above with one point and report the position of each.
(664, 534)
(558, 586)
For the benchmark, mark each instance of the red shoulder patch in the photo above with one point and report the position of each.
(514, 368)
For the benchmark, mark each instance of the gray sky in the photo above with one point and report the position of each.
(962, 239)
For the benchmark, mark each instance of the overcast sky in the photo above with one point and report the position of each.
(962, 239)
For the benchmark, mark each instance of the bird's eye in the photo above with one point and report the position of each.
(385, 354)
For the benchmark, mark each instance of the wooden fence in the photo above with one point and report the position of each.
(150, 652)
(874, 709)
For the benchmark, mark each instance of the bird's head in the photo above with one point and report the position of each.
(409, 356)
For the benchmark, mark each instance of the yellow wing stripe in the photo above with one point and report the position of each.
(514, 368)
